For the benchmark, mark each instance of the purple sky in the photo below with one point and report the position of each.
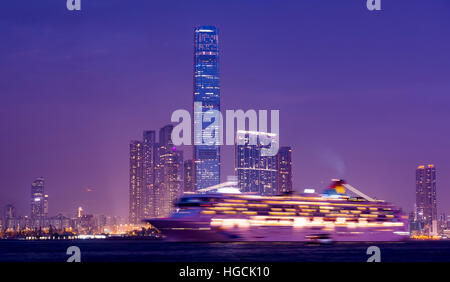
(362, 95)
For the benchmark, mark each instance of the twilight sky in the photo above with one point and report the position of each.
(362, 95)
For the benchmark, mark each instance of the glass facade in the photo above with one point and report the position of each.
(206, 91)
(255, 173)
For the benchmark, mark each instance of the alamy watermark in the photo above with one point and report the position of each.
(75, 254)
(73, 5)
(375, 253)
(372, 5)
(212, 134)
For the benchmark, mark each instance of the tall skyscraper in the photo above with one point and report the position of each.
(206, 91)
(8, 217)
(284, 168)
(45, 206)
(137, 190)
(149, 153)
(39, 203)
(255, 173)
(442, 222)
(168, 174)
(189, 176)
(426, 208)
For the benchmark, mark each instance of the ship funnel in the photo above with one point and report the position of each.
(338, 185)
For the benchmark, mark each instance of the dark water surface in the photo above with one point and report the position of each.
(157, 251)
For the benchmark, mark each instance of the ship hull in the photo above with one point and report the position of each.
(201, 231)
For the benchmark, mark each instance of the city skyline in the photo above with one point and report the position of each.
(350, 104)
(158, 173)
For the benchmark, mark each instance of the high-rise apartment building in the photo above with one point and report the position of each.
(284, 170)
(426, 208)
(206, 92)
(189, 176)
(442, 222)
(149, 154)
(39, 203)
(168, 174)
(8, 217)
(137, 193)
(255, 172)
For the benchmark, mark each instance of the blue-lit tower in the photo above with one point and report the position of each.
(206, 91)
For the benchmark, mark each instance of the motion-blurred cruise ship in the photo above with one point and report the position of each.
(332, 216)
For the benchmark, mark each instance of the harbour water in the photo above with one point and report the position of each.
(159, 251)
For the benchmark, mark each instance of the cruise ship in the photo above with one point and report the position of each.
(332, 216)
